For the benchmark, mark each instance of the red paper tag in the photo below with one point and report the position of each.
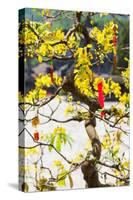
(101, 97)
(36, 135)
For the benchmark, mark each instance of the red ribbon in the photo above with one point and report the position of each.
(101, 97)
(36, 135)
(51, 73)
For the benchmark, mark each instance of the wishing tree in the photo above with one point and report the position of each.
(89, 44)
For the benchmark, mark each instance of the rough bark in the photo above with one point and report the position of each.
(89, 167)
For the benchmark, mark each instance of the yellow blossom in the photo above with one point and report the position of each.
(69, 109)
(124, 99)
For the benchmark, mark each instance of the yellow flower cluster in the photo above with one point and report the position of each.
(43, 80)
(83, 56)
(115, 89)
(34, 32)
(59, 130)
(106, 142)
(69, 109)
(27, 37)
(39, 92)
(57, 79)
(60, 49)
(106, 88)
(125, 75)
(125, 98)
(59, 34)
(78, 158)
(83, 73)
(104, 37)
(82, 82)
(109, 86)
(58, 164)
(44, 49)
(111, 144)
(72, 42)
(118, 112)
(69, 98)
(34, 95)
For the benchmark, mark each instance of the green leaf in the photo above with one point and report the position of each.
(52, 139)
(43, 12)
(61, 182)
(58, 143)
(64, 138)
(115, 150)
(69, 140)
(70, 180)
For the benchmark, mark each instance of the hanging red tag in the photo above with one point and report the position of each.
(115, 46)
(36, 136)
(101, 97)
(51, 73)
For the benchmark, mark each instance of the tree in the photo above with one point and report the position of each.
(85, 92)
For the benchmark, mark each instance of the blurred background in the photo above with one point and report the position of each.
(65, 20)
